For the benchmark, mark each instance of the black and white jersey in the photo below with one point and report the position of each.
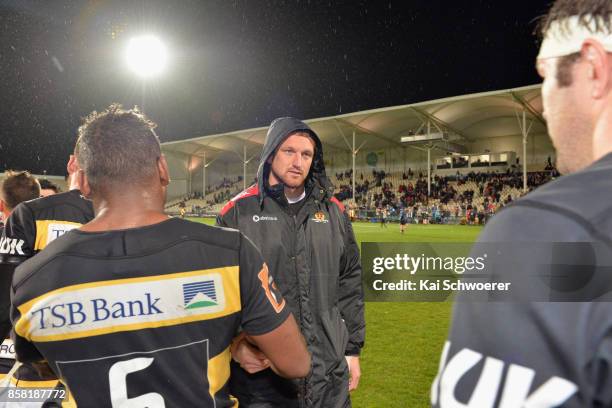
(144, 316)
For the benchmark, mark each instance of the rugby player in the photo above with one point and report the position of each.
(139, 309)
(403, 220)
(31, 226)
(16, 188)
(550, 354)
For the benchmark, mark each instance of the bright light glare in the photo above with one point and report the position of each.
(146, 56)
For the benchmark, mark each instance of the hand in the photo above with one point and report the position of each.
(248, 356)
(354, 371)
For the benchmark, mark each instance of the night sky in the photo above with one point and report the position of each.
(238, 64)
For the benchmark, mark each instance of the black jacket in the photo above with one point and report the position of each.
(315, 261)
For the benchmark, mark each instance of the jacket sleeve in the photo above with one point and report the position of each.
(351, 290)
(227, 216)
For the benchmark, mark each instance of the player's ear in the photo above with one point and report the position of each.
(598, 67)
(73, 165)
(164, 173)
(83, 182)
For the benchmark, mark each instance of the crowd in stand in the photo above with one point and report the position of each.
(224, 191)
(226, 183)
(411, 195)
(444, 200)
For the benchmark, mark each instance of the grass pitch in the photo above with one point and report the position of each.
(403, 340)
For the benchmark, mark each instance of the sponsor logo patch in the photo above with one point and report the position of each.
(272, 292)
(7, 349)
(199, 294)
(56, 230)
(129, 304)
(258, 218)
(320, 217)
(11, 246)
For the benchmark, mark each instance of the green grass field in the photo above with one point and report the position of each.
(403, 340)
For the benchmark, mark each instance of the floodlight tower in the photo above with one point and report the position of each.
(146, 57)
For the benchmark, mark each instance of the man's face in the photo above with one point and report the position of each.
(292, 160)
(566, 110)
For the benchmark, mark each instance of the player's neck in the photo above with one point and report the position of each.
(73, 182)
(129, 210)
(602, 144)
(293, 193)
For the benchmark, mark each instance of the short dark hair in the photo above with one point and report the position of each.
(591, 14)
(18, 186)
(117, 147)
(48, 185)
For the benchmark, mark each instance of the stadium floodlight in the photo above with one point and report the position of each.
(146, 56)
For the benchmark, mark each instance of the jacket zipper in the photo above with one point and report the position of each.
(297, 276)
(302, 391)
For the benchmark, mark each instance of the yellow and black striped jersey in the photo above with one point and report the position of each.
(30, 227)
(143, 316)
(33, 224)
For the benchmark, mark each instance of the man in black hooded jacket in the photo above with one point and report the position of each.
(307, 240)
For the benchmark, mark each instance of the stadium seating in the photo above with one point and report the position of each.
(483, 187)
(211, 203)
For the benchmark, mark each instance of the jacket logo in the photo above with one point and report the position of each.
(257, 218)
(11, 246)
(320, 217)
(200, 294)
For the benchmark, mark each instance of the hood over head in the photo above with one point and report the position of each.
(279, 130)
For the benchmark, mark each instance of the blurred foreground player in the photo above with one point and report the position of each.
(550, 354)
(31, 226)
(15, 188)
(138, 309)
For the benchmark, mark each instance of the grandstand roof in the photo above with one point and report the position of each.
(465, 118)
